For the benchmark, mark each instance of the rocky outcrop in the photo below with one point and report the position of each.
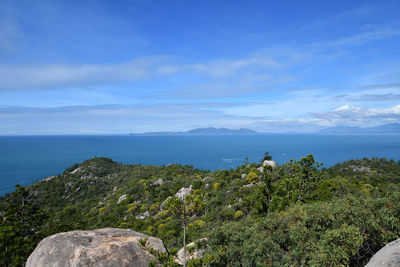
(102, 247)
(142, 216)
(183, 192)
(157, 182)
(121, 198)
(76, 170)
(49, 178)
(388, 256)
(359, 168)
(191, 251)
(270, 163)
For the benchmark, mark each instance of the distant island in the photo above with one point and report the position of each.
(391, 128)
(205, 131)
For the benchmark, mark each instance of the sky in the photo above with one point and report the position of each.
(119, 67)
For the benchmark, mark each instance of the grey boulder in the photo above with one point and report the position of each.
(102, 247)
(388, 256)
(270, 163)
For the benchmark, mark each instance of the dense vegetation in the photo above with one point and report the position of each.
(294, 214)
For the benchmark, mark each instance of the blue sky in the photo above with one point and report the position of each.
(116, 67)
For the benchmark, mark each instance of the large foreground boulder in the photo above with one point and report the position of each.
(102, 247)
(388, 256)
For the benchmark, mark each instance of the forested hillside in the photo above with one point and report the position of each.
(295, 214)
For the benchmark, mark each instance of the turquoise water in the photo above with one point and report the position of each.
(26, 159)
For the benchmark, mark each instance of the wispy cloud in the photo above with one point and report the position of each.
(365, 37)
(55, 76)
(380, 86)
(369, 97)
(356, 116)
(266, 68)
(223, 68)
(124, 119)
(9, 31)
(245, 72)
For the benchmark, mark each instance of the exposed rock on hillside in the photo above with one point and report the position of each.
(142, 216)
(121, 198)
(158, 182)
(270, 163)
(76, 170)
(48, 178)
(183, 192)
(359, 168)
(248, 185)
(102, 247)
(388, 256)
(191, 251)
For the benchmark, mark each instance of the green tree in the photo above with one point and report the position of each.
(267, 156)
(299, 179)
(20, 227)
(309, 175)
(184, 208)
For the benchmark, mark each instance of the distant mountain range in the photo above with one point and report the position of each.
(206, 131)
(391, 128)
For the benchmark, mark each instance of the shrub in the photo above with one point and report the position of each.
(252, 177)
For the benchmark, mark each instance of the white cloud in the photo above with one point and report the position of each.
(365, 37)
(360, 116)
(216, 77)
(39, 76)
(222, 68)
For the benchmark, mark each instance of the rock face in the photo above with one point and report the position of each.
(158, 182)
(359, 168)
(194, 254)
(121, 198)
(142, 216)
(102, 247)
(183, 192)
(76, 170)
(388, 256)
(270, 163)
(48, 178)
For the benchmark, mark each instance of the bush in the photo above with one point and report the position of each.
(342, 232)
(252, 177)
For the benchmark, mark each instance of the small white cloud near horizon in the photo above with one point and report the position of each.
(360, 116)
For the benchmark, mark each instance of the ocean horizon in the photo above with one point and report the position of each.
(27, 159)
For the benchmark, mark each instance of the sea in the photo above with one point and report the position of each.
(27, 159)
